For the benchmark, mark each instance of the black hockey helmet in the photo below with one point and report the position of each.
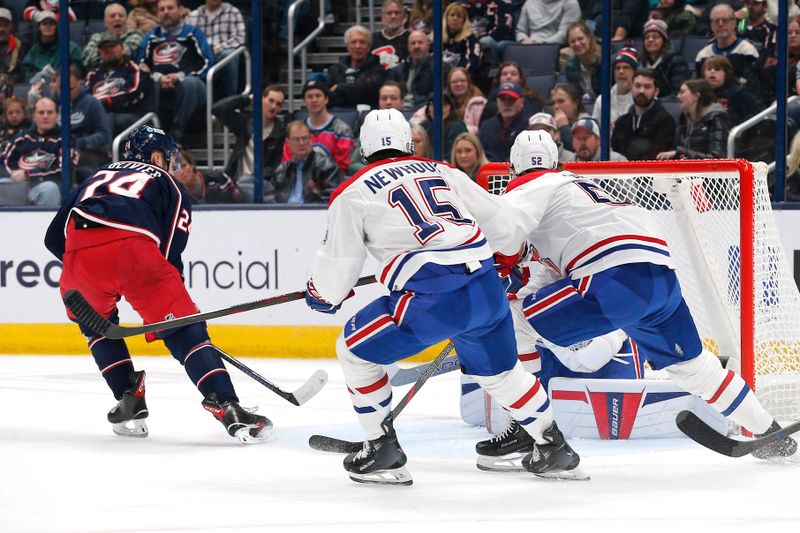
(143, 141)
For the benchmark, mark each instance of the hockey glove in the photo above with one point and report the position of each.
(503, 264)
(516, 279)
(317, 302)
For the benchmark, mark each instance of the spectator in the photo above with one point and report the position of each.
(224, 29)
(415, 73)
(90, 127)
(328, 133)
(355, 79)
(422, 142)
(391, 96)
(125, 90)
(583, 68)
(586, 139)
(498, 133)
(740, 103)
(657, 54)
(675, 17)
(116, 21)
(390, 44)
(178, 58)
(793, 171)
(468, 155)
(703, 129)
(493, 24)
(34, 7)
(567, 109)
(468, 100)
(628, 17)
(15, 119)
(34, 156)
(546, 21)
(452, 126)
(625, 64)
(310, 176)
(460, 47)
(421, 16)
(11, 53)
(647, 129)
(768, 72)
(207, 186)
(511, 71)
(546, 122)
(43, 57)
(759, 31)
(741, 53)
(144, 15)
(231, 112)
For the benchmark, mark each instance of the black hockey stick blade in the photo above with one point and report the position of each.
(305, 392)
(700, 432)
(404, 376)
(324, 443)
(88, 316)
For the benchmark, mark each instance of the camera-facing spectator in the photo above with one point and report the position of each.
(759, 31)
(583, 68)
(498, 133)
(546, 21)
(468, 99)
(740, 103)
(391, 95)
(493, 23)
(42, 59)
(310, 176)
(468, 155)
(206, 186)
(422, 142)
(739, 51)
(657, 54)
(460, 47)
(144, 15)
(567, 109)
(390, 43)
(704, 126)
(11, 54)
(625, 64)
(178, 58)
(676, 18)
(34, 7)
(115, 19)
(586, 140)
(546, 122)
(34, 156)
(647, 129)
(224, 29)
(125, 90)
(355, 79)
(511, 71)
(15, 120)
(415, 73)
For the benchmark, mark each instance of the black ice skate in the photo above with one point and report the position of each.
(128, 416)
(239, 422)
(776, 450)
(380, 461)
(504, 451)
(555, 459)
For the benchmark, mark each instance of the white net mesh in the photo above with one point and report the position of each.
(699, 211)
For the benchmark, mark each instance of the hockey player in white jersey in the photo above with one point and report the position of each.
(424, 222)
(615, 272)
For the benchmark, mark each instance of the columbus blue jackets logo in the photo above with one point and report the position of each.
(168, 53)
(108, 87)
(36, 160)
(76, 118)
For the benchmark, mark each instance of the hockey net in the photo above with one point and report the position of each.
(718, 221)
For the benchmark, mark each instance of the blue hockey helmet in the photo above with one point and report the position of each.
(140, 144)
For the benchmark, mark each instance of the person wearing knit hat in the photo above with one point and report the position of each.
(625, 64)
(671, 67)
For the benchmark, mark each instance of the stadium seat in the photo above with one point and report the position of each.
(534, 59)
(542, 84)
(673, 107)
(691, 45)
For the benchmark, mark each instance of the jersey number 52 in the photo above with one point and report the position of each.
(425, 228)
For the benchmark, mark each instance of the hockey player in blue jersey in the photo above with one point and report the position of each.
(121, 234)
(424, 222)
(615, 272)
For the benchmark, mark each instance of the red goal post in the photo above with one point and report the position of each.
(717, 218)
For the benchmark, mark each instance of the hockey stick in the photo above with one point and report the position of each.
(305, 392)
(703, 434)
(89, 317)
(332, 444)
(404, 376)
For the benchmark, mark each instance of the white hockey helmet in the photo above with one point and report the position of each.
(533, 149)
(385, 129)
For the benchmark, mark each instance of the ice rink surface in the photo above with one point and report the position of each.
(62, 469)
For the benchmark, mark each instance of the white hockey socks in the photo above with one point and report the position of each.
(524, 397)
(723, 389)
(589, 356)
(369, 388)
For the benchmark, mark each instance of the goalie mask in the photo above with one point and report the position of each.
(533, 150)
(385, 129)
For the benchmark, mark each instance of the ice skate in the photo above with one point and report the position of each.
(504, 452)
(128, 416)
(555, 460)
(776, 450)
(380, 461)
(239, 422)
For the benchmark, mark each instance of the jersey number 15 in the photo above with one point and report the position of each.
(426, 229)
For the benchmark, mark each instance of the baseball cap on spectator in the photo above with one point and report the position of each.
(627, 55)
(658, 26)
(108, 37)
(316, 83)
(6, 14)
(542, 119)
(44, 15)
(587, 124)
(510, 88)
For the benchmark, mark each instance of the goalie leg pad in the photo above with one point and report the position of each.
(723, 389)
